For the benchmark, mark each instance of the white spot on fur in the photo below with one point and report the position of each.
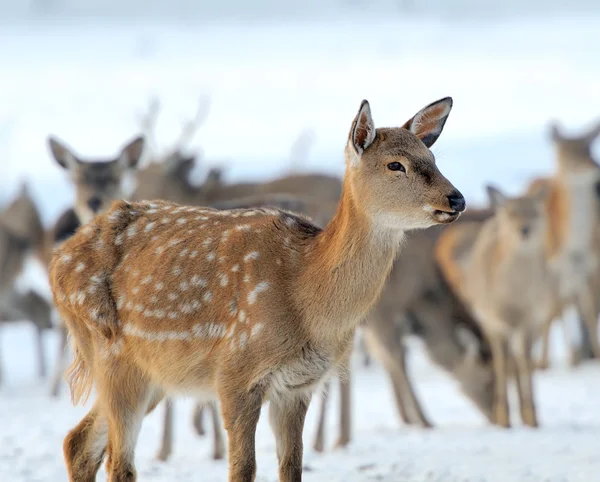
(177, 270)
(252, 255)
(243, 227)
(181, 221)
(242, 316)
(235, 268)
(154, 299)
(224, 279)
(247, 278)
(184, 286)
(129, 306)
(184, 251)
(164, 220)
(174, 242)
(120, 302)
(149, 226)
(65, 258)
(172, 296)
(193, 254)
(256, 329)
(80, 296)
(146, 280)
(260, 287)
(207, 296)
(173, 315)
(243, 339)
(159, 249)
(211, 256)
(222, 259)
(225, 235)
(278, 261)
(131, 230)
(159, 286)
(139, 308)
(197, 281)
(80, 267)
(119, 239)
(135, 290)
(290, 222)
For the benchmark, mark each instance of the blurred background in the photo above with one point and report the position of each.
(85, 71)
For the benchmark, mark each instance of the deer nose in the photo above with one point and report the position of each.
(457, 202)
(525, 231)
(94, 203)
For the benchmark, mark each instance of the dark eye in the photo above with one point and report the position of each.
(396, 166)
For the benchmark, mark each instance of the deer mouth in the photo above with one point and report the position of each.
(445, 217)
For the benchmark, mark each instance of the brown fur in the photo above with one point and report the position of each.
(285, 300)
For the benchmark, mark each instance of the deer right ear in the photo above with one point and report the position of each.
(495, 196)
(63, 156)
(555, 132)
(131, 154)
(428, 123)
(362, 133)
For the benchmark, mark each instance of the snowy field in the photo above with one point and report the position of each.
(267, 82)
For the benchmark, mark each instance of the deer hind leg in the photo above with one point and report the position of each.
(60, 363)
(198, 419)
(345, 411)
(126, 397)
(521, 349)
(241, 411)
(218, 439)
(85, 446)
(590, 318)
(543, 362)
(500, 413)
(287, 417)
(319, 443)
(166, 444)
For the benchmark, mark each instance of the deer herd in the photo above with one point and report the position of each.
(242, 294)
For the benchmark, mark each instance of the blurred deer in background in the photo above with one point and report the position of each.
(418, 301)
(22, 235)
(573, 236)
(97, 184)
(507, 283)
(280, 299)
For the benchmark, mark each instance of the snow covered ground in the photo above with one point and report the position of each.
(85, 82)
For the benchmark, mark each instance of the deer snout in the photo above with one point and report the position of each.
(457, 202)
(525, 231)
(94, 203)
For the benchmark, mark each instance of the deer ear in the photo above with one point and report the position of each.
(495, 196)
(62, 154)
(362, 133)
(591, 135)
(555, 132)
(428, 123)
(131, 154)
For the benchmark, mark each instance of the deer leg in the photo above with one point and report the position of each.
(241, 412)
(500, 414)
(319, 443)
(590, 318)
(39, 340)
(521, 348)
(85, 446)
(218, 440)
(287, 421)
(198, 419)
(166, 445)
(126, 397)
(345, 410)
(544, 360)
(60, 363)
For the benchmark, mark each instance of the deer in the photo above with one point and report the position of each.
(97, 183)
(418, 301)
(244, 306)
(22, 236)
(507, 282)
(574, 208)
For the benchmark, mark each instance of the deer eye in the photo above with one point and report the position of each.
(396, 166)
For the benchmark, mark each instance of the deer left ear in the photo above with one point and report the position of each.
(428, 123)
(130, 155)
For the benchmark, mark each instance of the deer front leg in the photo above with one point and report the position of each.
(218, 442)
(500, 413)
(543, 362)
(166, 446)
(521, 348)
(319, 443)
(241, 412)
(60, 362)
(287, 417)
(198, 419)
(345, 410)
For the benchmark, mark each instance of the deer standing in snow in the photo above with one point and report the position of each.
(246, 306)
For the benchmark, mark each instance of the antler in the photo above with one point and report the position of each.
(191, 126)
(147, 121)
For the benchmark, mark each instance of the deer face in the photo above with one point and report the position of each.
(522, 219)
(395, 171)
(97, 183)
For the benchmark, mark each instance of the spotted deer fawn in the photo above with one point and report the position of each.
(22, 235)
(418, 301)
(573, 236)
(507, 282)
(97, 184)
(245, 305)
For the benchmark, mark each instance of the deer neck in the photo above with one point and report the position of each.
(345, 269)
